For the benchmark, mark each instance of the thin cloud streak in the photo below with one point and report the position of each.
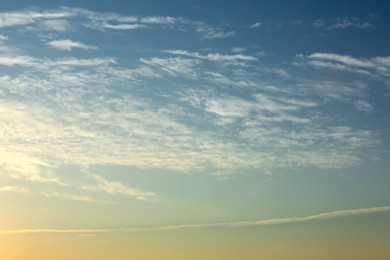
(68, 45)
(212, 56)
(267, 222)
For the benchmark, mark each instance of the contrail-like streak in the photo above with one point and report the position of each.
(267, 222)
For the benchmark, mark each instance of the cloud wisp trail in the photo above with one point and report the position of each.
(267, 222)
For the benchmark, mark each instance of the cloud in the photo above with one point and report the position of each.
(363, 106)
(215, 33)
(350, 22)
(208, 111)
(368, 66)
(337, 66)
(3, 38)
(111, 187)
(344, 59)
(383, 61)
(87, 105)
(229, 107)
(59, 25)
(256, 25)
(212, 56)
(173, 66)
(161, 20)
(70, 197)
(238, 224)
(64, 19)
(319, 23)
(68, 45)
(237, 107)
(8, 19)
(82, 62)
(125, 26)
(17, 60)
(279, 221)
(238, 49)
(17, 189)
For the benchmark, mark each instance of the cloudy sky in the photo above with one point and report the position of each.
(166, 127)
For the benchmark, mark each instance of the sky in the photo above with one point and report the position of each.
(194, 129)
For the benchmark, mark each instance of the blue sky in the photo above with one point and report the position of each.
(225, 111)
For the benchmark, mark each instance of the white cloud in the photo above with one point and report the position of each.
(173, 66)
(68, 45)
(62, 19)
(59, 25)
(229, 107)
(384, 61)
(213, 56)
(215, 33)
(345, 59)
(319, 23)
(125, 26)
(81, 198)
(160, 20)
(237, 107)
(276, 71)
(3, 38)
(368, 66)
(238, 224)
(78, 118)
(363, 106)
(205, 116)
(238, 49)
(348, 22)
(8, 19)
(256, 25)
(278, 221)
(17, 60)
(82, 62)
(111, 187)
(337, 66)
(17, 189)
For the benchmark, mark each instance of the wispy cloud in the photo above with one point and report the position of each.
(68, 45)
(350, 22)
(213, 56)
(8, 19)
(161, 20)
(238, 49)
(17, 189)
(173, 66)
(3, 38)
(363, 106)
(367, 66)
(347, 60)
(278, 221)
(256, 25)
(215, 33)
(125, 26)
(208, 110)
(17, 60)
(82, 62)
(81, 198)
(59, 25)
(239, 224)
(319, 23)
(64, 18)
(110, 187)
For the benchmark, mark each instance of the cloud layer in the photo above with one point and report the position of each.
(186, 110)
